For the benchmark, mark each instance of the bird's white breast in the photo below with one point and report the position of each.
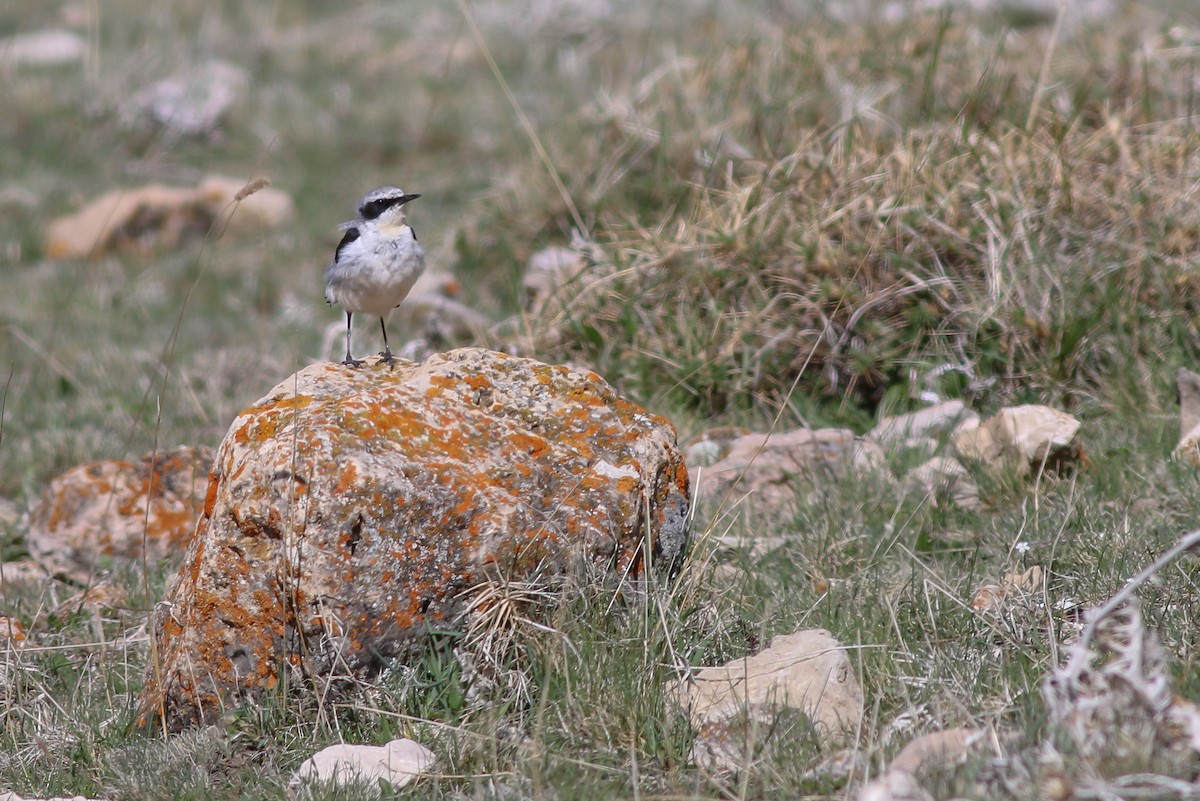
(376, 271)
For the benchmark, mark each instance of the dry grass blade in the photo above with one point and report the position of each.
(252, 186)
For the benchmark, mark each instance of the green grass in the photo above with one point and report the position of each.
(792, 218)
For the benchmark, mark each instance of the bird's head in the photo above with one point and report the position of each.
(385, 204)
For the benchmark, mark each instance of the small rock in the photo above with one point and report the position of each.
(929, 752)
(398, 763)
(918, 447)
(442, 322)
(940, 419)
(837, 768)
(9, 513)
(1014, 13)
(103, 597)
(15, 196)
(939, 749)
(1188, 449)
(547, 272)
(991, 599)
(127, 219)
(163, 217)
(711, 446)
(12, 634)
(806, 671)
(265, 207)
(894, 786)
(24, 571)
(773, 470)
(943, 477)
(46, 48)
(703, 453)
(1026, 436)
(752, 545)
(193, 102)
(119, 510)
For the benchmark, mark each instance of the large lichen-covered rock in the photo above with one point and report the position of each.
(351, 510)
(119, 510)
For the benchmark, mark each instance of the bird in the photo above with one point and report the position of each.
(376, 263)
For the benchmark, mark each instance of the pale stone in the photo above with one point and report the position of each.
(24, 571)
(547, 272)
(1188, 448)
(9, 513)
(894, 786)
(440, 321)
(12, 634)
(772, 470)
(158, 216)
(992, 599)
(192, 102)
(938, 749)
(711, 446)
(42, 49)
(102, 597)
(397, 763)
(265, 207)
(109, 221)
(754, 546)
(1026, 436)
(918, 446)
(731, 705)
(704, 453)
(939, 419)
(944, 477)
(837, 768)
(929, 752)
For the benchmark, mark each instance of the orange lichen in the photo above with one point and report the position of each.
(144, 508)
(628, 484)
(528, 443)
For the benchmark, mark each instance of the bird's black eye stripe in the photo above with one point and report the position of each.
(372, 210)
(351, 235)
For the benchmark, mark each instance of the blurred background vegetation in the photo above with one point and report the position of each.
(823, 209)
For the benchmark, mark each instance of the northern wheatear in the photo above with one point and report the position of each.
(376, 263)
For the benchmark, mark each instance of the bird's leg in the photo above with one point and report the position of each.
(386, 353)
(350, 361)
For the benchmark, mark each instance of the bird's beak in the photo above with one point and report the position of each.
(407, 198)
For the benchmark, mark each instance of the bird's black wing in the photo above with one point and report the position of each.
(351, 235)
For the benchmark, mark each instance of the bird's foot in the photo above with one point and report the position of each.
(352, 363)
(387, 358)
